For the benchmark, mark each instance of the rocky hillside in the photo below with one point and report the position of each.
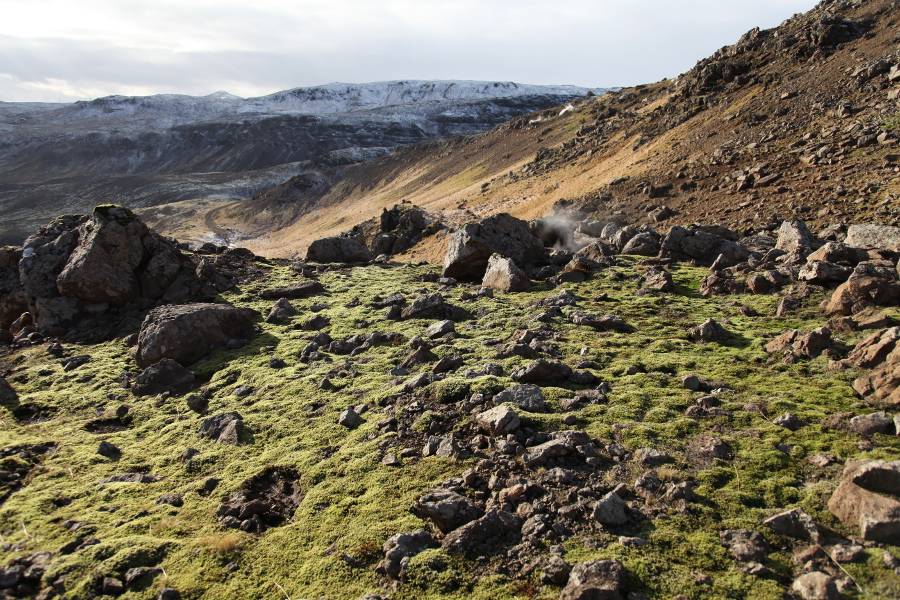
(800, 120)
(152, 150)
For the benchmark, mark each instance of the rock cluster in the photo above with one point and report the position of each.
(88, 265)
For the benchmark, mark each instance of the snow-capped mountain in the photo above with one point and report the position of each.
(51, 150)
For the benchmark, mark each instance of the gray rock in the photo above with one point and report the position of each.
(101, 268)
(338, 250)
(499, 420)
(418, 381)
(432, 306)
(112, 586)
(878, 422)
(503, 274)
(709, 331)
(440, 329)
(815, 586)
(170, 499)
(596, 580)
(399, 548)
(281, 311)
(109, 450)
(186, 333)
(164, 376)
(643, 244)
(212, 427)
(880, 476)
(447, 510)
(819, 272)
(542, 370)
(793, 235)
(448, 363)
(472, 245)
(610, 510)
(796, 524)
(788, 421)
(484, 529)
(873, 236)
(349, 418)
(538, 455)
(231, 433)
(694, 244)
(197, 403)
(745, 545)
(651, 457)
(527, 397)
(556, 571)
(658, 279)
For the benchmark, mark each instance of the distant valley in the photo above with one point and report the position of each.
(146, 151)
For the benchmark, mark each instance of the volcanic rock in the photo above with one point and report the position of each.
(338, 250)
(472, 245)
(188, 332)
(503, 274)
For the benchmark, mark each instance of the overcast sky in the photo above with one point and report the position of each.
(82, 49)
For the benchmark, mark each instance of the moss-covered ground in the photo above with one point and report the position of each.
(353, 502)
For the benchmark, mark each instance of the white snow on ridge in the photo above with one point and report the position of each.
(168, 110)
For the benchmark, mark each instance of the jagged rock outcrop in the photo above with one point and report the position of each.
(396, 230)
(79, 265)
(693, 244)
(472, 245)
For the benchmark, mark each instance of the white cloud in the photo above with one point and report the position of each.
(53, 48)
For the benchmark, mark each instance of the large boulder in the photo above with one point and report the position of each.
(837, 252)
(503, 274)
(101, 268)
(870, 284)
(643, 244)
(338, 250)
(867, 499)
(705, 248)
(541, 370)
(188, 332)
(396, 229)
(527, 397)
(472, 245)
(78, 265)
(873, 236)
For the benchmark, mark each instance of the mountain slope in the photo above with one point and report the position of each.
(802, 104)
(49, 154)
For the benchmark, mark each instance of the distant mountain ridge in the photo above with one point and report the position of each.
(53, 155)
(168, 110)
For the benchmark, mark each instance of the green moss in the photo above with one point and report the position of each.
(353, 502)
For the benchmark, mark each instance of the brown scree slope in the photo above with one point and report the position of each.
(785, 122)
